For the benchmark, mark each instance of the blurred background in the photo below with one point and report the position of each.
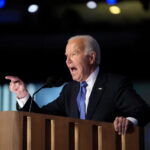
(33, 37)
(34, 33)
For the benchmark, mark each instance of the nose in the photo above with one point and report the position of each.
(68, 60)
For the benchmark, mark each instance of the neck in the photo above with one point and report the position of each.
(92, 69)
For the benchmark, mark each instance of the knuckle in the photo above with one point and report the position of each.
(119, 125)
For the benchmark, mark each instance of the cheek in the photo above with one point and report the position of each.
(82, 64)
(82, 68)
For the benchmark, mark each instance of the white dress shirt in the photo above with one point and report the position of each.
(90, 83)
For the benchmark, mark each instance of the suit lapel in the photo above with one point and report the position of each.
(95, 96)
(75, 110)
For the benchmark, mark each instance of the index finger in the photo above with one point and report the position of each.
(12, 78)
(116, 121)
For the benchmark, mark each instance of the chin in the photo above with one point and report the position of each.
(75, 79)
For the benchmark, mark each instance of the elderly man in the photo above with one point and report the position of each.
(91, 95)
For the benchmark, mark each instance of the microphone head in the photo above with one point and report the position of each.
(54, 81)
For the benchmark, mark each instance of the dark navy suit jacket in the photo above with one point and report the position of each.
(112, 95)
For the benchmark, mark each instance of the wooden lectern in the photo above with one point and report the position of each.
(33, 131)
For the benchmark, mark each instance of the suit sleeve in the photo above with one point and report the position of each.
(56, 107)
(130, 104)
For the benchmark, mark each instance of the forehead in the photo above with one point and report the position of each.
(75, 45)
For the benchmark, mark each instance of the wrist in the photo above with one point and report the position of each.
(22, 94)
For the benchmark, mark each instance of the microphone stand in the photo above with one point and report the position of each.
(32, 97)
(51, 81)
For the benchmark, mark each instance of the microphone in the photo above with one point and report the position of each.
(52, 81)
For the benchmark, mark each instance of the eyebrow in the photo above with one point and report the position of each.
(75, 50)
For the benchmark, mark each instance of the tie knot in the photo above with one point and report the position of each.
(83, 84)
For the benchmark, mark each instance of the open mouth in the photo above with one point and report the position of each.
(72, 69)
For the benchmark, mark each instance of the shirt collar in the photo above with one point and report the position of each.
(92, 78)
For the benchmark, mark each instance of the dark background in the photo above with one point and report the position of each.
(32, 46)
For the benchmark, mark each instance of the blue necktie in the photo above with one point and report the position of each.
(81, 99)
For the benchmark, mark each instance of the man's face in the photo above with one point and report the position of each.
(78, 62)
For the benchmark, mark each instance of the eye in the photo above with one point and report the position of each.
(74, 53)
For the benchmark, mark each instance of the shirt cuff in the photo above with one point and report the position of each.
(133, 120)
(22, 101)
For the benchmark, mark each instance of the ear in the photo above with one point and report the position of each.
(92, 57)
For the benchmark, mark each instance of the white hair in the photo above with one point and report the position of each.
(90, 45)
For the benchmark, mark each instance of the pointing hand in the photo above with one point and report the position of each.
(17, 86)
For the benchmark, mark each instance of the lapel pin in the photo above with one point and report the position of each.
(100, 88)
